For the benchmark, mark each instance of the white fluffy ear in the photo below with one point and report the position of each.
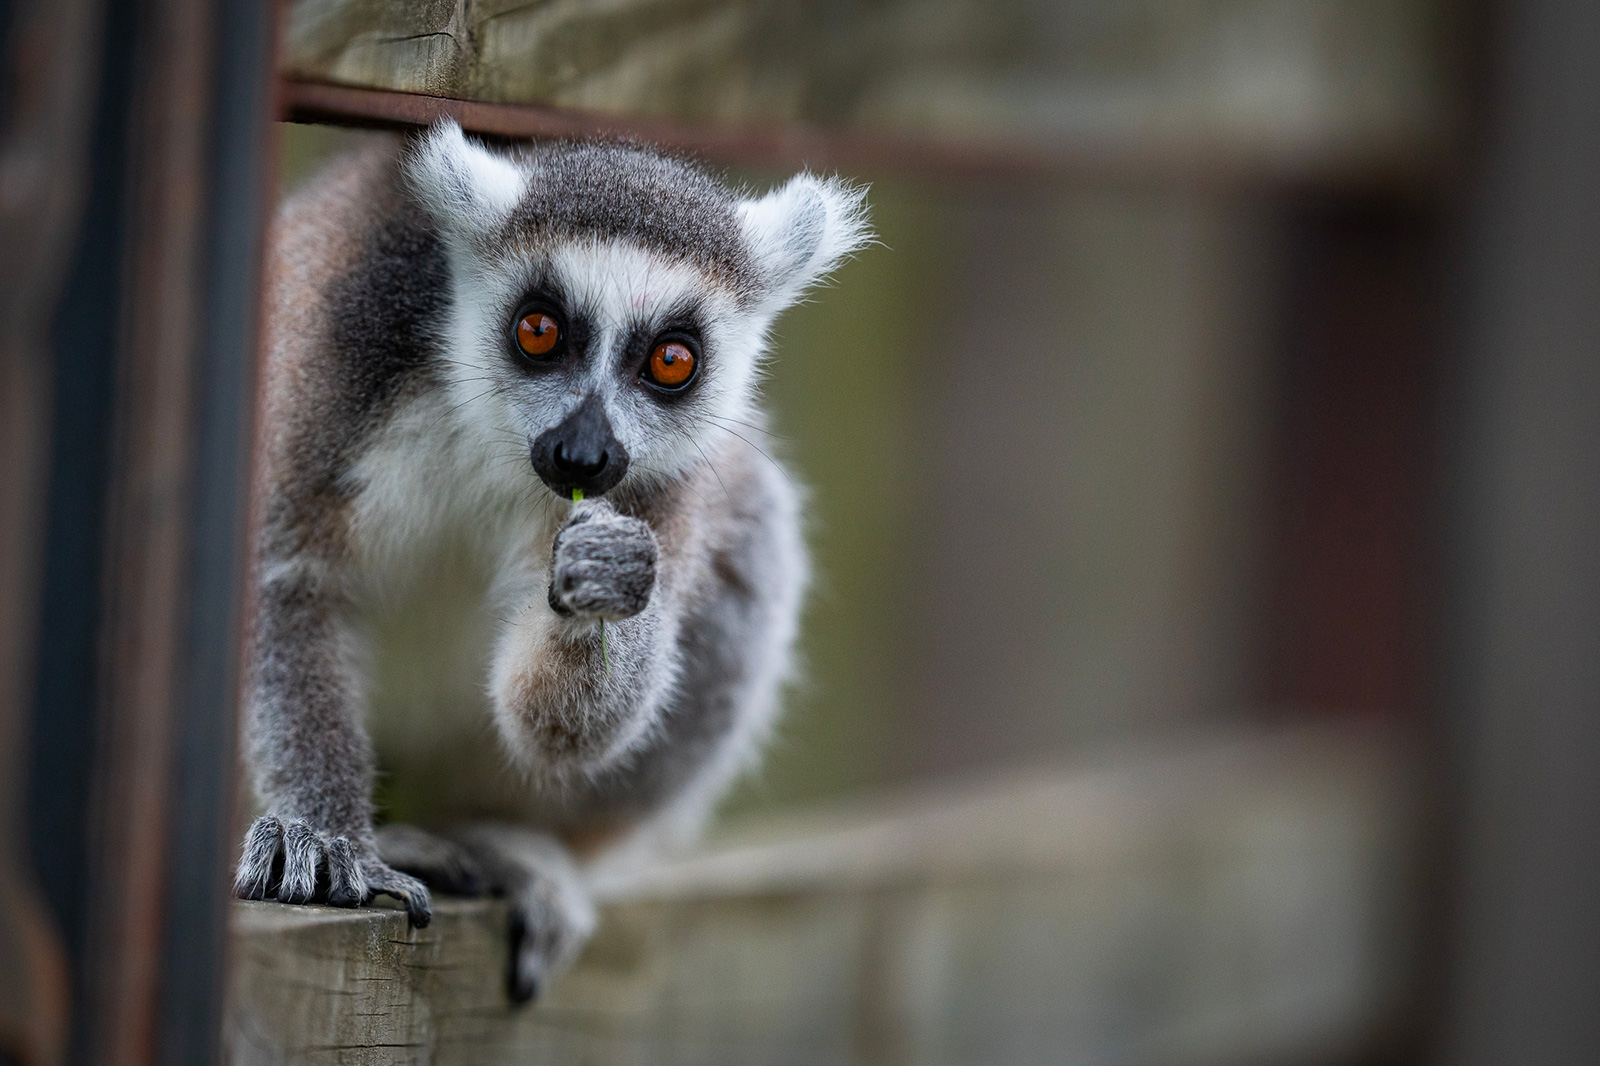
(468, 189)
(802, 230)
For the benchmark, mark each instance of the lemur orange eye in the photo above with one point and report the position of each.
(671, 365)
(537, 334)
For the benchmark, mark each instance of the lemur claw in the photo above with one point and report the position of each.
(388, 881)
(292, 862)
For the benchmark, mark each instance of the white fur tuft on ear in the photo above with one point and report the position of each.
(802, 230)
(466, 187)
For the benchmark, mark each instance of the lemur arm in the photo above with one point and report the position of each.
(572, 695)
(312, 759)
(311, 756)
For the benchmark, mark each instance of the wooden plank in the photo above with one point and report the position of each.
(1236, 902)
(1286, 86)
(1520, 614)
(149, 339)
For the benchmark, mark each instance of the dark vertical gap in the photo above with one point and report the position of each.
(8, 67)
(1349, 625)
(239, 180)
(1345, 609)
(85, 345)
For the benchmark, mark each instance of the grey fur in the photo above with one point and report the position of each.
(399, 412)
(623, 191)
(439, 863)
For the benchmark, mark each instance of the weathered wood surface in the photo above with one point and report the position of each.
(1237, 903)
(1285, 85)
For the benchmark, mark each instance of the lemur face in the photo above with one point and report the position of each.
(610, 304)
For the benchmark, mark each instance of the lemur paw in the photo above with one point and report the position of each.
(290, 861)
(548, 925)
(604, 564)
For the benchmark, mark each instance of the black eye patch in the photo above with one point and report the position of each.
(543, 331)
(666, 354)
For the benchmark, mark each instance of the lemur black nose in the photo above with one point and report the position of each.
(579, 465)
(580, 453)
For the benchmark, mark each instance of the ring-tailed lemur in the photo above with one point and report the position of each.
(463, 342)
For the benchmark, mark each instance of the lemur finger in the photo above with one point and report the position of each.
(580, 522)
(616, 546)
(616, 533)
(302, 856)
(262, 853)
(347, 885)
(578, 573)
(595, 588)
(384, 881)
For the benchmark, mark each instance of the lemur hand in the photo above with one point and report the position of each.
(288, 860)
(604, 564)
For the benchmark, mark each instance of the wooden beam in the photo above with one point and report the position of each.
(1521, 438)
(1231, 902)
(1287, 86)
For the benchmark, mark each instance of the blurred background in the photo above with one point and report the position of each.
(1204, 501)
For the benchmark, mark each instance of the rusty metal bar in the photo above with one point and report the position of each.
(785, 147)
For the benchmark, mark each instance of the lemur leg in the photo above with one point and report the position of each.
(312, 759)
(441, 864)
(569, 708)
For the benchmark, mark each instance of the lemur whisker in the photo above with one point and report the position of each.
(758, 428)
(491, 390)
(663, 477)
(775, 464)
(450, 411)
(708, 462)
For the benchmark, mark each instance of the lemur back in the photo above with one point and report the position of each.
(463, 344)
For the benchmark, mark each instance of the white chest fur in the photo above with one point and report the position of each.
(451, 530)
(431, 481)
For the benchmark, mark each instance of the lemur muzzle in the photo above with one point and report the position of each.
(580, 453)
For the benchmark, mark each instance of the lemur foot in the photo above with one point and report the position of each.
(604, 564)
(550, 914)
(292, 862)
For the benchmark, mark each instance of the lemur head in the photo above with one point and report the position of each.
(611, 304)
